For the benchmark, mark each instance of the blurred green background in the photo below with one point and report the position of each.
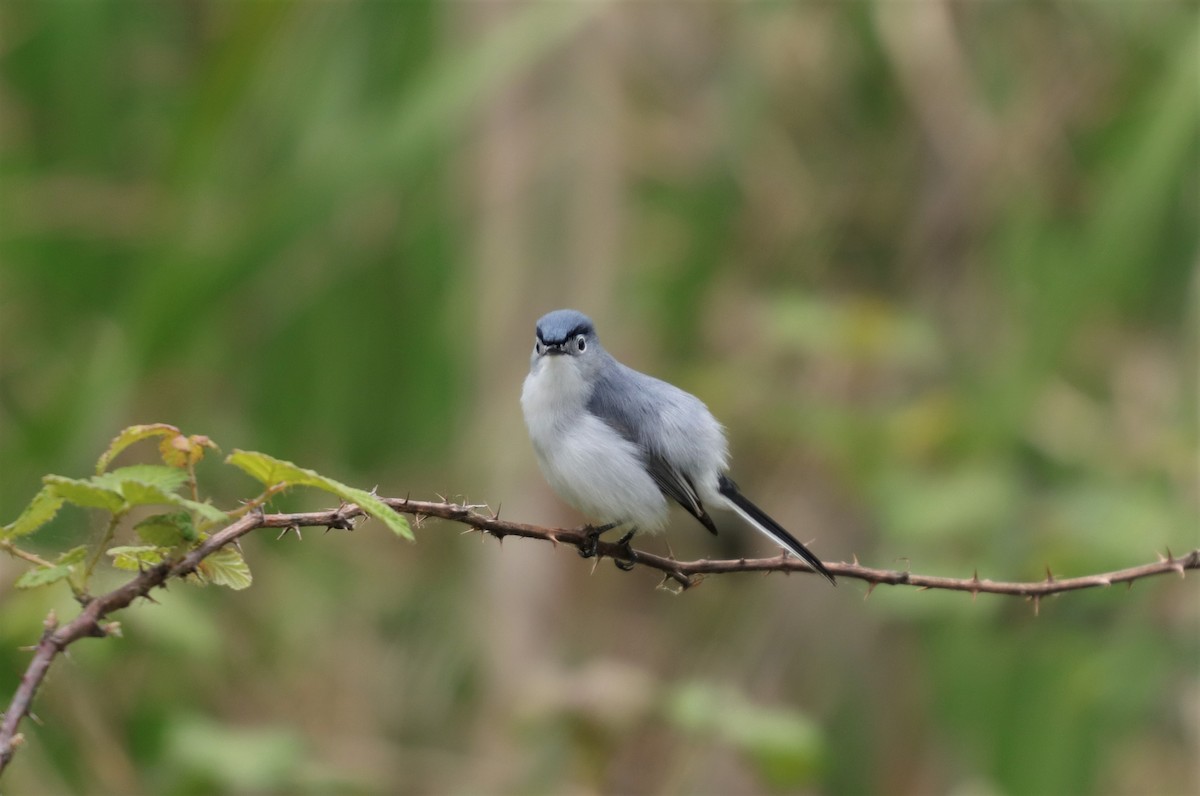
(933, 264)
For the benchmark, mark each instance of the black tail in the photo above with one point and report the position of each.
(763, 523)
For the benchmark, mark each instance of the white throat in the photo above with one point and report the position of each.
(554, 392)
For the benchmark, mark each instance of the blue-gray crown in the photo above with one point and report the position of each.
(561, 325)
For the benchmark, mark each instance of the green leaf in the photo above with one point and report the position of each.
(76, 555)
(166, 530)
(41, 510)
(168, 479)
(42, 576)
(85, 493)
(271, 472)
(225, 567)
(131, 435)
(137, 557)
(139, 494)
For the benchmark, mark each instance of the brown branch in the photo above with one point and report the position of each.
(685, 572)
(57, 638)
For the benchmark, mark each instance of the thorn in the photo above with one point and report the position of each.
(496, 513)
(870, 588)
(148, 598)
(238, 544)
(1178, 567)
(553, 540)
(34, 718)
(1170, 556)
(682, 583)
(595, 561)
(28, 648)
(1049, 575)
(1128, 585)
(288, 529)
(923, 588)
(854, 558)
(1037, 605)
(374, 491)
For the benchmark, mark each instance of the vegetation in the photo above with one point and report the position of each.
(933, 264)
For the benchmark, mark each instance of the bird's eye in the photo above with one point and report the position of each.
(580, 343)
(539, 347)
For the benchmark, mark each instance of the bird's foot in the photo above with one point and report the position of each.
(631, 556)
(591, 536)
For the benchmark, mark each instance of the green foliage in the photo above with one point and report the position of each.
(166, 530)
(87, 493)
(272, 473)
(137, 557)
(42, 576)
(168, 534)
(40, 511)
(177, 450)
(225, 567)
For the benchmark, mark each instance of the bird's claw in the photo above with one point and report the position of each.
(591, 537)
(631, 556)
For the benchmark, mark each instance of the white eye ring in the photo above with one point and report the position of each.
(538, 347)
(580, 343)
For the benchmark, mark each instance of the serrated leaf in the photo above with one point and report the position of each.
(137, 556)
(168, 479)
(181, 451)
(225, 567)
(76, 555)
(42, 576)
(139, 494)
(85, 493)
(166, 530)
(41, 510)
(131, 435)
(271, 471)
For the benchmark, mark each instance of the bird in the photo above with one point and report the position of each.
(618, 444)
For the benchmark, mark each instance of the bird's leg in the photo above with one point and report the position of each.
(591, 534)
(630, 554)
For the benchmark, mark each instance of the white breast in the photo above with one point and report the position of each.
(585, 460)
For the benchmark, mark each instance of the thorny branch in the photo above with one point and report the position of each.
(55, 638)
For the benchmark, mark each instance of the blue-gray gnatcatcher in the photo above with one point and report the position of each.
(616, 443)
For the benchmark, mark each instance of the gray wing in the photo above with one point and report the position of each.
(627, 400)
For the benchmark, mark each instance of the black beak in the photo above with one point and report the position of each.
(555, 350)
